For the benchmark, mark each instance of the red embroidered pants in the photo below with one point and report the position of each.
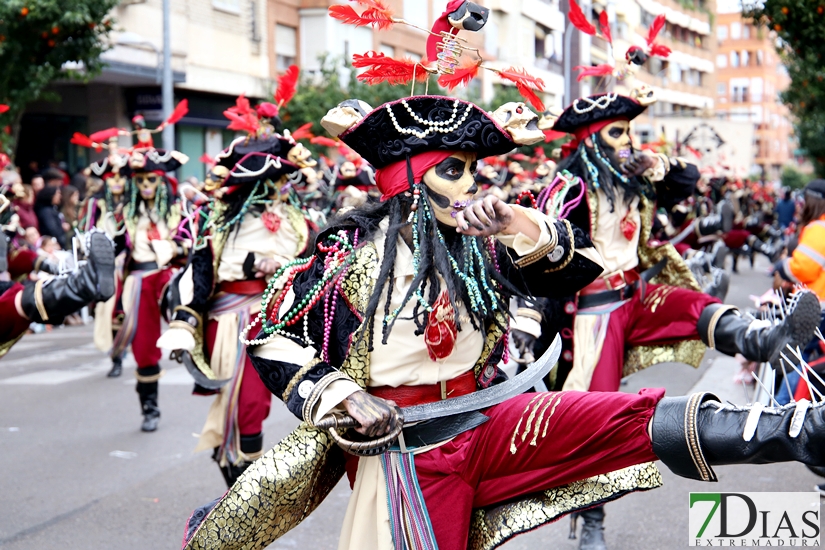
(144, 344)
(254, 400)
(532, 442)
(668, 314)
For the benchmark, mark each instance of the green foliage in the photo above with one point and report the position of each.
(37, 37)
(793, 178)
(800, 26)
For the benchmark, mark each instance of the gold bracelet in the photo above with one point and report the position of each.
(570, 252)
(297, 378)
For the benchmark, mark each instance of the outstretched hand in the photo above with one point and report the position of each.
(639, 163)
(485, 217)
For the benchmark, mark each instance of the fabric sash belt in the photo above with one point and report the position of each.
(143, 266)
(406, 396)
(616, 286)
(250, 287)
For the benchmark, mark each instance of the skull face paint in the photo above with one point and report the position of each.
(451, 186)
(617, 135)
(147, 184)
(116, 184)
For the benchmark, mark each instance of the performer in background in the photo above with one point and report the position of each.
(151, 219)
(248, 234)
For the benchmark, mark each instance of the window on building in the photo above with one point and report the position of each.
(745, 58)
(286, 47)
(412, 55)
(734, 59)
(735, 30)
(387, 50)
(722, 32)
(721, 89)
(721, 61)
(655, 66)
(760, 57)
(746, 31)
(233, 6)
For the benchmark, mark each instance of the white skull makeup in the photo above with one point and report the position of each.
(116, 184)
(347, 170)
(451, 186)
(147, 184)
(617, 135)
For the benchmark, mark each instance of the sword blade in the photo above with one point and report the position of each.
(488, 396)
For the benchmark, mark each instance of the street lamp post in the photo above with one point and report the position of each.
(167, 91)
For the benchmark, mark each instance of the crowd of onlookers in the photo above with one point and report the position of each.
(47, 203)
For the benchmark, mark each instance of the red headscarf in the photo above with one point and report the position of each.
(392, 179)
(584, 132)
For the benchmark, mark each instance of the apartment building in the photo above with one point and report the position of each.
(219, 50)
(750, 77)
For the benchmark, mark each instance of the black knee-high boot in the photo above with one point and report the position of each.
(251, 447)
(722, 327)
(147, 389)
(691, 434)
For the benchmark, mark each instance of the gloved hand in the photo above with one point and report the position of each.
(524, 342)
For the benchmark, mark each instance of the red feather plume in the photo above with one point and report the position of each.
(303, 132)
(659, 50)
(3, 108)
(241, 106)
(654, 29)
(377, 18)
(598, 70)
(523, 82)
(104, 135)
(181, 109)
(247, 122)
(207, 159)
(604, 25)
(576, 16)
(287, 86)
(386, 69)
(461, 77)
(82, 140)
(324, 141)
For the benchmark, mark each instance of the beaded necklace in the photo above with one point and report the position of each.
(608, 164)
(594, 172)
(339, 254)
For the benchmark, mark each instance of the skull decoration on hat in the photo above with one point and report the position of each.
(445, 49)
(623, 70)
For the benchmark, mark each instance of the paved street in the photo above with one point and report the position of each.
(77, 474)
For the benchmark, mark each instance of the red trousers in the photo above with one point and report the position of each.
(144, 344)
(254, 400)
(736, 238)
(532, 442)
(12, 324)
(667, 315)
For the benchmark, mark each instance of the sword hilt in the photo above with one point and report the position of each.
(337, 421)
(340, 421)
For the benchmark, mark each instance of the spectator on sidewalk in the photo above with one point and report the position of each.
(71, 200)
(786, 210)
(49, 218)
(24, 207)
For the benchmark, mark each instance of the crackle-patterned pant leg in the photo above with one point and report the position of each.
(531, 443)
(667, 314)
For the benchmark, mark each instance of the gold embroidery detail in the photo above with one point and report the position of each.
(540, 419)
(638, 358)
(714, 320)
(513, 448)
(570, 252)
(38, 301)
(552, 412)
(539, 403)
(6, 346)
(148, 378)
(657, 297)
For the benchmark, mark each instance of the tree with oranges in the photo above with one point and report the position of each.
(39, 39)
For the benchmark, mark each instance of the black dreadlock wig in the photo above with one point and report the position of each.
(162, 199)
(607, 181)
(434, 264)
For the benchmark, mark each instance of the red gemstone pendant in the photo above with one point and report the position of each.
(628, 226)
(271, 221)
(441, 331)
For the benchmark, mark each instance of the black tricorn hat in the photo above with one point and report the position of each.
(586, 111)
(271, 144)
(408, 127)
(153, 160)
(258, 166)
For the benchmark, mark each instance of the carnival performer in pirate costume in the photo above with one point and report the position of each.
(646, 306)
(250, 232)
(151, 220)
(403, 304)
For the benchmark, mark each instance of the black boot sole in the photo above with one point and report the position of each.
(102, 255)
(804, 319)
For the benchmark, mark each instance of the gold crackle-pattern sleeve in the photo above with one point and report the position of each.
(298, 222)
(689, 352)
(274, 494)
(492, 527)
